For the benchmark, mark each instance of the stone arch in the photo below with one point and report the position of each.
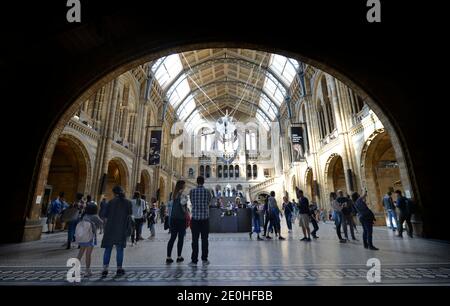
(162, 192)
(145, 184)
(379, 167)
(117, 174)
(70, 168)
(122, 62)
(334, 174)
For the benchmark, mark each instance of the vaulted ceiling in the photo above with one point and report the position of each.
(203, 84)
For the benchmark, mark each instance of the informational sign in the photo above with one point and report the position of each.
(298, 143)
(155, 147)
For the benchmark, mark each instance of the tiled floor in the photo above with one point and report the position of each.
(237, 260)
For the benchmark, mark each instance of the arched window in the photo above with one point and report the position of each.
(231, 171)
(249, 171)
(208, 171)
(236, 171)
(255, 171)
(321, 119)
(225, 171)
(202, 170)
(304, 119)
(251, 140)
(219, 171)
(329, 109)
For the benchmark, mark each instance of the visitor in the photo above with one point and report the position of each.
(117, 229)
(347, 218)
(275, 215)
(87, 238)
(76, 211)
(162, 212)
(404, 207)
(314, 219)
(366, 217)
(267, 218)
(305, 215)
(200, 199)
(151, 220)
(389, 207)
(89, 201)
(54, 210)
(288, 209)
(337, 215)
(177, 210)
(295, 206)
(256, 220)
(138, 210)
(323, 215)
(101, 213)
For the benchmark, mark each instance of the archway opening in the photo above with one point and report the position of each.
(336, 175)
(116, 176)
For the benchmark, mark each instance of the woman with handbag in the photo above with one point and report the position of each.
(178, 213)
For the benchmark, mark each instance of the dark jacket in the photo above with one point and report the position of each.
(117, 216)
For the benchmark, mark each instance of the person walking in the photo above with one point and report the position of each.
(389, 207)
(314, 219)
(288, 209)
(200, 200)
(404, 207)
(177, 210)
(162, 212)
(337, 215)
(256, 220)
(86, 234)
(70, 216)
(366, 217)
(138, 211)
(347, 217)
(151, 220)
(305, 215)
(275, 215)
(117, 229)
(267, 218)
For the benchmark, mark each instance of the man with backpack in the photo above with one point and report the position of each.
(405, 208)
(139, 209)
(54, 210)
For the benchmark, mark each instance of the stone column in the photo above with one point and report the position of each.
(342, 133)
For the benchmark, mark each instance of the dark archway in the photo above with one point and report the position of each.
(65, 60)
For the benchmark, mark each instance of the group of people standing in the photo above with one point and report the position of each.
(405, 208)
(306, 213)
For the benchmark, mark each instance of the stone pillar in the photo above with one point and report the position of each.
(342, 133)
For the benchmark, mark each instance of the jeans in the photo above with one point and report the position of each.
(152, 229)
(178, 228)
(392, 215)
(199, 228)
(289, 221)
(256, 224)
(405, 217)
(348, 221)
(367, 232)
(72, 225)
(136, 234)
(315, 226)
(107, 256)
(338, 219)
(277, 225)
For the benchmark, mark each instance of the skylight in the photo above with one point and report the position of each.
(268, 107)
(284, 67)
(186, 108)
(166, 69)
(179, 92)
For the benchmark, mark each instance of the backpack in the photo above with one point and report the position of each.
(84, 232)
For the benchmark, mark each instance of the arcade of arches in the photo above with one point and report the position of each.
(106, 139)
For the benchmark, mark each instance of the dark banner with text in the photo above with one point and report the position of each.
(155, 148)
(298, 143)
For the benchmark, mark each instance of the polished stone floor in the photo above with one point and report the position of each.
(237, 260)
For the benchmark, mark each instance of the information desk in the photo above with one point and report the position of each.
(239, 223)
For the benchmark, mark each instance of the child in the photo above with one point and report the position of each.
(90, 217)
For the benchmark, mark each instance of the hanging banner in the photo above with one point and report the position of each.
(297, 143)
(155, 147)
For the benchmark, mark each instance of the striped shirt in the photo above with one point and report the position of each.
(200, 199)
